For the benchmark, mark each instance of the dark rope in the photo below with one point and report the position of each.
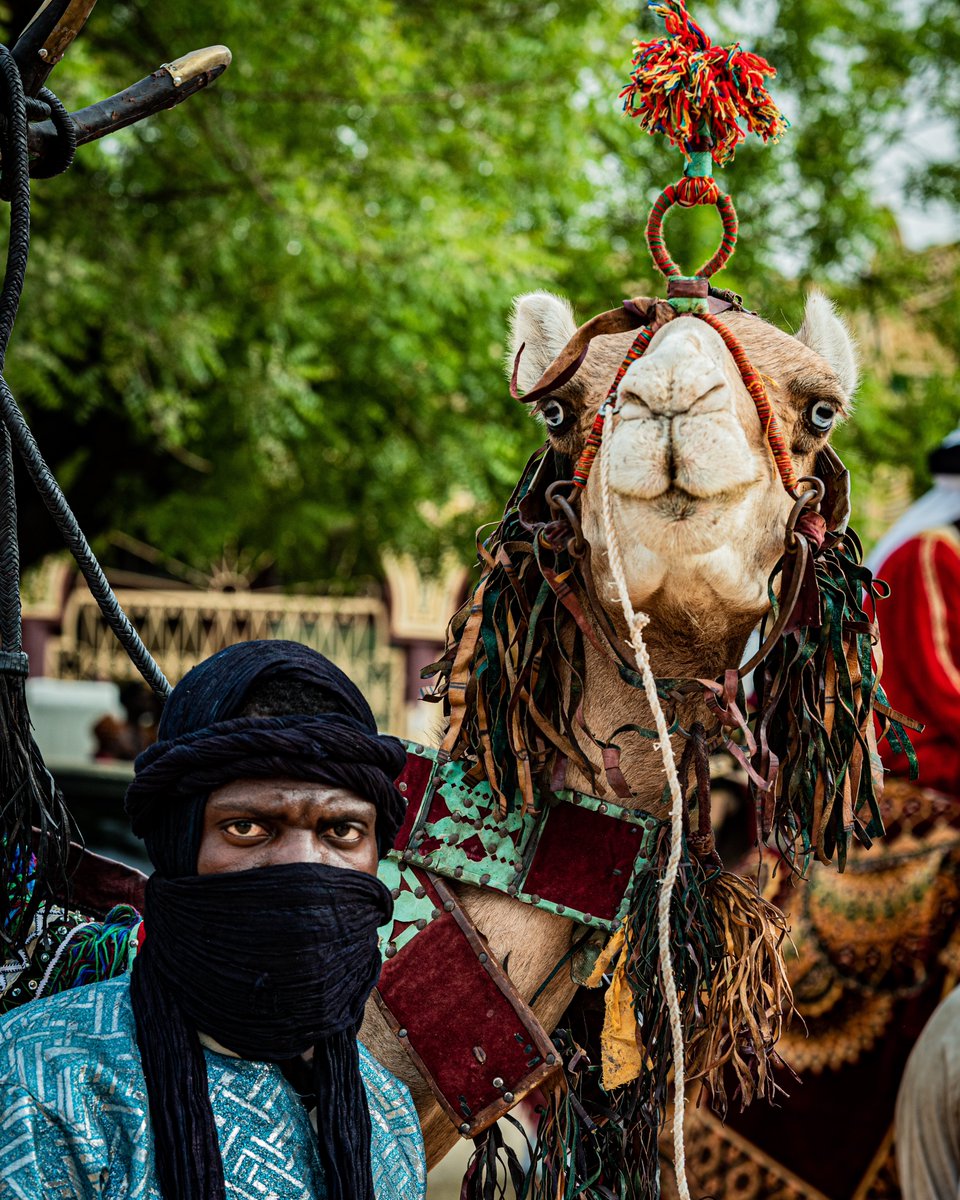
(15, 186)
(59, 158)
(35, 826)
(58, 507)
(10, 626)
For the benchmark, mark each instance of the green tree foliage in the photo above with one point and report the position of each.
(275, 316)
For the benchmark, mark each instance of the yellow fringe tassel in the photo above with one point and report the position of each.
(742, 1014)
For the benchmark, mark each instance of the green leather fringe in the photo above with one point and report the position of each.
(816, 697)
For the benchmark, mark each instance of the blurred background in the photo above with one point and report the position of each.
(263, 335)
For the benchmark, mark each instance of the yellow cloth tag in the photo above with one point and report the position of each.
(606, 957)
(621, 1057)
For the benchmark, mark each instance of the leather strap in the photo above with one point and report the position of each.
(632, 314)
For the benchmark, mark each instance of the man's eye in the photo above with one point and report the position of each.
(245, 829)
(345, 832)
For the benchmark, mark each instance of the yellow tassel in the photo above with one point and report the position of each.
(620, 1055)
(606, 957)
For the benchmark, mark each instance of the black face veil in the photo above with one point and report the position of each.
(269, 962)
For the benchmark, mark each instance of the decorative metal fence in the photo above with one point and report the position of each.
(181, 628)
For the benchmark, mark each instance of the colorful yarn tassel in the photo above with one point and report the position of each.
(696, 94)
(758, 393)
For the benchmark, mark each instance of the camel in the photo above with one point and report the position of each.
(700, 513)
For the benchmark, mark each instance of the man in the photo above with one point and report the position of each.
(920, 559)
(227, 1064)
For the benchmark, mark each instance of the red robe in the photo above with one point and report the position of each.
(920, 628)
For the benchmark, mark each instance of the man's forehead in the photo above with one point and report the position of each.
(284, 793)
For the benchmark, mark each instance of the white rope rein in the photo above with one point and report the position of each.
(635, 623)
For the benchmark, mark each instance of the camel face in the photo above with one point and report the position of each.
(682, 466)
(698, 505)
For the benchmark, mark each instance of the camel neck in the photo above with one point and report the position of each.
(610, 704)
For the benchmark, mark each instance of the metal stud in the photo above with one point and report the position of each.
(508, 1096)
(498, 1082)
(401, 1033)
(402, 786)
(551, 1059)
(481, 958)
(448, 906)
(465, 1129)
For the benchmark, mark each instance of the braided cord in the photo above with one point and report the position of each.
(635, 624)
(688, 192)
(758, 393)
(15, 186)
(15, 167)
(11, 637)
(592, 445)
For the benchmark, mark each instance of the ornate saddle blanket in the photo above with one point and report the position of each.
(94, 938)
(875, 949)
(454, 830)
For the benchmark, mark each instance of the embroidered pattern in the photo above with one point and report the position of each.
(74, 1124)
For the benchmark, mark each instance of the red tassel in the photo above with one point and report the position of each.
(695, 93)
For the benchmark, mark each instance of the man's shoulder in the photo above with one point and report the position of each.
(397, 1144)
(94, 1021)
(940, 543)
(380, 1083)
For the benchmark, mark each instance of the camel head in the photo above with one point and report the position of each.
(698, 504)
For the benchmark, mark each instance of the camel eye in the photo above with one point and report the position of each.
(821, 415)
(554, 414)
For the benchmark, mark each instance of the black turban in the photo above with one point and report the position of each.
(204, 741)
(272, 961)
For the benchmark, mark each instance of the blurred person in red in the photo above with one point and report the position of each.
(920, 559)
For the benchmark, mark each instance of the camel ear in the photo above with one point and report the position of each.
(826, 333)
(543, 324)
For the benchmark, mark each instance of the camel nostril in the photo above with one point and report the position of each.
(633, 407)
(682, 398)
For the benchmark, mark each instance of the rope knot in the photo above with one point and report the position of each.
(641, 620)
(697, 189)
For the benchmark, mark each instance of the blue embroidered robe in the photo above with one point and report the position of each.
(74, 1122)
